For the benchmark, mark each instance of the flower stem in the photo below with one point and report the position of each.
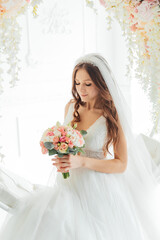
(65, 175)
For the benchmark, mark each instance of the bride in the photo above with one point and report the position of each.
(112, 189)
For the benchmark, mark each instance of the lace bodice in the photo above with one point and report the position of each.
(95, 137)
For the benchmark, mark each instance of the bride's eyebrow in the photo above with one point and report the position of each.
(84, 80)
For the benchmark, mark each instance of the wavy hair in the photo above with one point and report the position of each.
(105, 99)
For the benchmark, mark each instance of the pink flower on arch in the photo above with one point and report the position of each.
(103, 3)
(2, 10)
(134, 27)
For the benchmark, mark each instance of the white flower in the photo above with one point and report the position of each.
(57, 133)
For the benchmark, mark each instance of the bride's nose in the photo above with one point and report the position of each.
(82, 88)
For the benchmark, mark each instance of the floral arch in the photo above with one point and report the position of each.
(140, 24)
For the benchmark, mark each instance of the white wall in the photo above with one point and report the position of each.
(45, 85)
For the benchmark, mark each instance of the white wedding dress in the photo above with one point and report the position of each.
(89, 205)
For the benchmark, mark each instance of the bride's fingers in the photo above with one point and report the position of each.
(60, 160)
(61, 164)
(63, 170)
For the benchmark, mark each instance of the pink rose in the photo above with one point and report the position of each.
(81, 142)
(41, 144)
(50, 133)
(60, 129)
(70, 144)
(55, 139)
(62, 139)
(79, 134)
(64, 133)
(56, 147)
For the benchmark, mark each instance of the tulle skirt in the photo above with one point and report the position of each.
(89, 205)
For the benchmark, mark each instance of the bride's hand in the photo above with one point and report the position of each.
(67, 162)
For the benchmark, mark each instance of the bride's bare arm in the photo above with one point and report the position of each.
(116, 165)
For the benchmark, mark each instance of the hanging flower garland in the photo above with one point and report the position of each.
(140, 23)
(10, 34)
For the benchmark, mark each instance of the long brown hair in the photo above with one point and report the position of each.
(105, 98)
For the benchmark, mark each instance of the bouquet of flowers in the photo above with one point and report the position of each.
(61, 140)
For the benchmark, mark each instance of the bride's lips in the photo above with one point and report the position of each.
(83, 95)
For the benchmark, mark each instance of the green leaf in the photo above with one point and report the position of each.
(58, 124)
(69, 124)
(83, 132)
(52, 152)
(65, 175)
(80, 150)
(67, 150)
(71, 150)
(75, 125)
(60, 154)
(49, 145)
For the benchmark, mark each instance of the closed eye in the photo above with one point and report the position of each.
(86, 84)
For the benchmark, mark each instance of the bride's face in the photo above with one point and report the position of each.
(85, 87)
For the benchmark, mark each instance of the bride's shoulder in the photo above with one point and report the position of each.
(67, 106)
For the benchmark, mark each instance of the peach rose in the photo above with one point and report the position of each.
(81, 142)
(41, 144)
(44, 150)
(63, 147)
(67, 139)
